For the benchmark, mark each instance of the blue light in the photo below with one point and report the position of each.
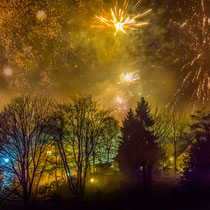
(6, 160)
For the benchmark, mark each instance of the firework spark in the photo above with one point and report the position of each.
(129, 78)
(41, 15)
(119, 19)
(23, 49)
(121, 100)
(195, 67)
(121, 103)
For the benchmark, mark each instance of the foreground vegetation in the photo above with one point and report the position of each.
(56, 153)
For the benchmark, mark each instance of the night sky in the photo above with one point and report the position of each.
(57, 47)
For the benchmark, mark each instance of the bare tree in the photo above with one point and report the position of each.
(176, 126)
(111, 138)
(24, 140)
(79, 127)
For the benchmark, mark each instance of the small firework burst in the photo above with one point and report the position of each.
(121, 101)
(129, 78)
(41, 15)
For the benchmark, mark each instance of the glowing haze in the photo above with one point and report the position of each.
(52, 47)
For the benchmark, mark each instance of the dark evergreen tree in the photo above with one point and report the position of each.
(138, 151)
(127, 162)
(197, 171)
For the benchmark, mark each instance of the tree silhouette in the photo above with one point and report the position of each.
(24, 140)
(77, 128)
(139, 150)
(110, 138)
(197, 171)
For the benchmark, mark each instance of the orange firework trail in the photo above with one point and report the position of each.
(119, 19)
(195, 66)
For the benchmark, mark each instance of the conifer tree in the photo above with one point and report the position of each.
(197, 171)
(139, 150)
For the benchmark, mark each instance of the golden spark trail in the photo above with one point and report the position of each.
(195, 68)
(119, 19)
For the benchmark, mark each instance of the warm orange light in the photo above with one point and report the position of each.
(41, 15)
(7, 71)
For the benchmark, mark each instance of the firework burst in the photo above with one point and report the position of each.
(129, 78)
(119, 19)
(193, 27)
(121, 100)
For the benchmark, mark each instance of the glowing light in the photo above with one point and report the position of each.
(69, 174)
(49, 152)
(6, 160)
(129, 77)
(92, 180)
(41, 15)
(7, 71)
(119, 19)
(119, 100)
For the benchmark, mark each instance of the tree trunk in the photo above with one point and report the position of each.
(25, 197)
(149, 178)
(108, 154)
(144, 176)
(175, 160)
(94, 157)
(56, 171)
